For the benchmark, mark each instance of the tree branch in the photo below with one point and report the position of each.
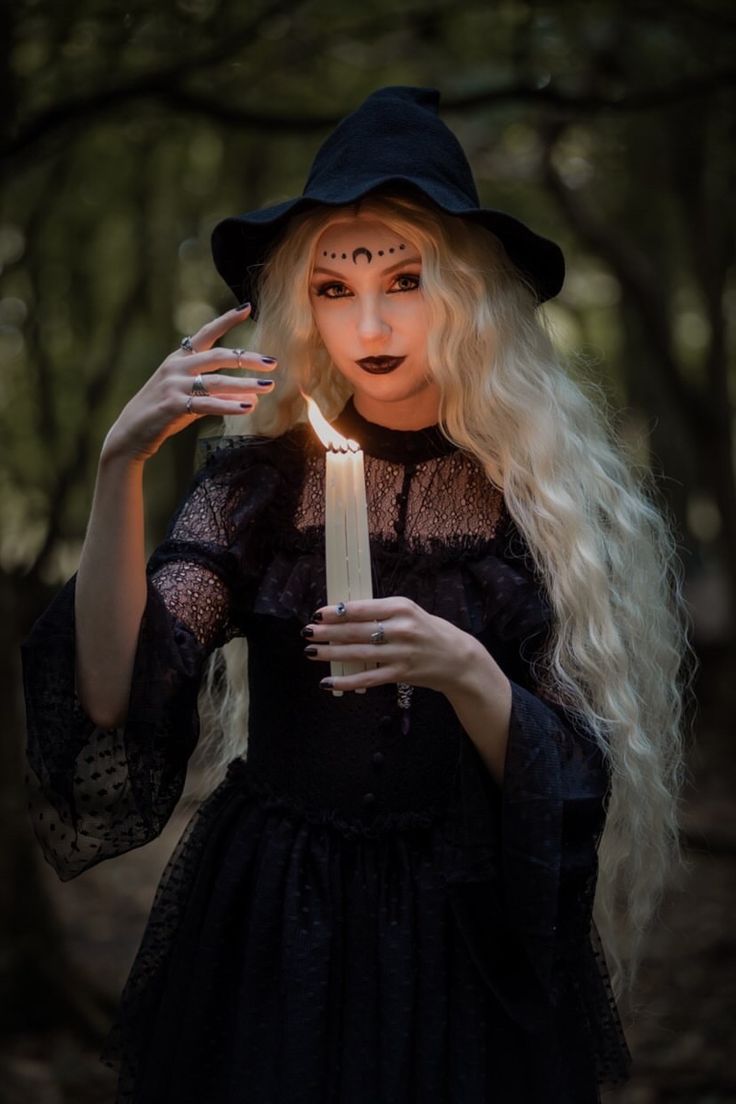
(162, 88)
(93, 395)
(636, 276)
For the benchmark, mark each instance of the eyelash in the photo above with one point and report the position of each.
(324, 288)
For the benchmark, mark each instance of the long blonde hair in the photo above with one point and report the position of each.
(603, 544)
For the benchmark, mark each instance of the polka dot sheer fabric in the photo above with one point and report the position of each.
(359, 912)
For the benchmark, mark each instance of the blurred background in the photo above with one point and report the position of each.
(127, 131)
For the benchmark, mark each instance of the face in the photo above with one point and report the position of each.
(370, 311)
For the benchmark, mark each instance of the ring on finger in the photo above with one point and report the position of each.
(198, 387)
(186, 344)
(379, 636)
(239, 353)
(188, 406)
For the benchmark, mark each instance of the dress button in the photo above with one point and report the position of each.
(369, 800)
(378, 758)
(385, 723)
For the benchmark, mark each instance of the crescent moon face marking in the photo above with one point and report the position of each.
(362, 249)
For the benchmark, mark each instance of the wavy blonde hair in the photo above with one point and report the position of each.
(601, 541)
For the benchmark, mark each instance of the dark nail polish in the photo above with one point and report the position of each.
(307, 631)
(316, 616)
(264, 383)
(243, 306)
(247, 406)
(310, 650)
(268, 360)
(326, 684)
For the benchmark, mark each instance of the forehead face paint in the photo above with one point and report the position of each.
(363, 251)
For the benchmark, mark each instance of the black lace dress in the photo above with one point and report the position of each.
(358, 913)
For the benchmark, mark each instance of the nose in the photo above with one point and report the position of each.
(373, 323)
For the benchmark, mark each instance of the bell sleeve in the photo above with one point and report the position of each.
(95, 793)
(522, 860)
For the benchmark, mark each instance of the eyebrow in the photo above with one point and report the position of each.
(384, 272)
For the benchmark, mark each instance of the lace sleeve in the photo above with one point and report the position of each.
(96, 793)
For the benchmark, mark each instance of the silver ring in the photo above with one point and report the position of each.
(186, 343)
(188, 406)
(341, 609)
(379, 636)
(238, 353)
(198, 387)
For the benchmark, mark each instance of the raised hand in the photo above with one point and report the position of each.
(186, 385)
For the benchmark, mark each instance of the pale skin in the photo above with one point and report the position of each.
(375, 309)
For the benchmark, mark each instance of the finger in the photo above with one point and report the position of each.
(364, 680)
(366, 609)
(207, 335)
(350, 632)
(198, 406)
(209, 360)
(236, 385)
(351, 653)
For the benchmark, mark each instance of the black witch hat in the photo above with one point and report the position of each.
(394, 142)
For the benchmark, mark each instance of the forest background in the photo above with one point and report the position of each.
(127, 131)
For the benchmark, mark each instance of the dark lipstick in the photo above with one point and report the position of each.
(380, 366)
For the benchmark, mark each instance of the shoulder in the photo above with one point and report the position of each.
(235, 452)
(243, 479)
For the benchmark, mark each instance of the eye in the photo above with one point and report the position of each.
(407, 282)
(332, 291)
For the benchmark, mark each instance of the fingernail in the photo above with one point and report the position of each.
(310, 650)
(247, 406)
(265, 383)
(307, 631)
(326, 684)
(316, 616)
(268, 360)
(243, 306)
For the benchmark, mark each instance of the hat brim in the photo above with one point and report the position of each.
(241, 243)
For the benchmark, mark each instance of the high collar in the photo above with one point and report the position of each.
(399, 446)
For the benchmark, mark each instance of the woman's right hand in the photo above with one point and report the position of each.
(159, 409)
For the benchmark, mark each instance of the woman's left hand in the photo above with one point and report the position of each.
(417, 648)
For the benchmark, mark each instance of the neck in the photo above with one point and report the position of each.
(406, 414)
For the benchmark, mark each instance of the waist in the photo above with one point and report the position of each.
(353, 811)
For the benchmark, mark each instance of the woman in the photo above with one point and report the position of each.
(389, 897)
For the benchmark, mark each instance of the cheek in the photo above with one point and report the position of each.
(331, 325)
(415, 324)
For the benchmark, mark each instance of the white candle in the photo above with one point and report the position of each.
(347, 545)
(363, 579)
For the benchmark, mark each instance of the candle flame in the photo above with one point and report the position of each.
(327, 434)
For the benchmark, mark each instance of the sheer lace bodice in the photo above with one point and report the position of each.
(410, 513)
